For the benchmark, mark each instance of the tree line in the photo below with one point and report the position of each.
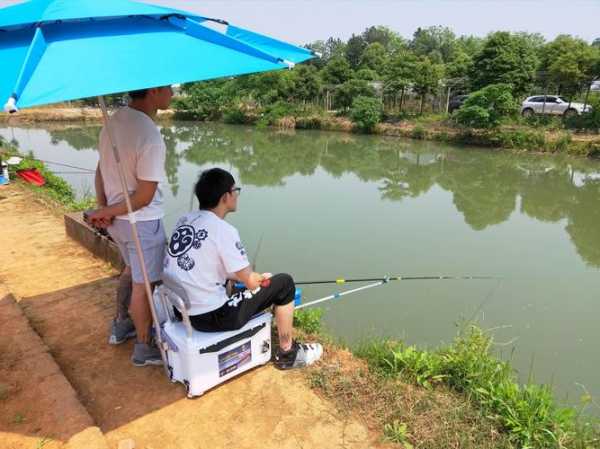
(379, 63)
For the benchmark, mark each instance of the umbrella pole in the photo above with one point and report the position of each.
(136, 239)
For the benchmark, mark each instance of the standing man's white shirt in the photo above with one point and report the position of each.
(203, 252)
(142, 152)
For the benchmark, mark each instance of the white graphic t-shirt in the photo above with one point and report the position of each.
(203, 250)
(142, 151)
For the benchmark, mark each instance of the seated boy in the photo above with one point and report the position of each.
(205, 251)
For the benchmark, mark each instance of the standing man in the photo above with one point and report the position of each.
(205, 251)
(142, 152)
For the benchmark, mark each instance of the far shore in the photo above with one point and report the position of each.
(62, 114)
(510, 137)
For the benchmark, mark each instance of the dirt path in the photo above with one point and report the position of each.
(67, 295)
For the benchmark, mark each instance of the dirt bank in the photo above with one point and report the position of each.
(61, 114)
(67, 297)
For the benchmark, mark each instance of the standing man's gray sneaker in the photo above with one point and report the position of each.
(120, 331)
(145, 354)
(299, 356)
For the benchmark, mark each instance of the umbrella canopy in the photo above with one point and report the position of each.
(59, 50)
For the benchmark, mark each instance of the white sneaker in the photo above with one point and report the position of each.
(299, 356)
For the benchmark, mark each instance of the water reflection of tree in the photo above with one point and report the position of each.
(546, 190)
(484, 185)
(172, 158)
(409, 173)
(484, 188)
(584, 221)
(261, 158)
(79, 138)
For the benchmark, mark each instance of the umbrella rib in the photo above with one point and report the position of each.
(237, 32)
(34, 54)
(197, 30)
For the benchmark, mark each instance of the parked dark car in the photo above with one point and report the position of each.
(456, 102)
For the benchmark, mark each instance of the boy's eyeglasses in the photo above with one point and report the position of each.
(236, 189)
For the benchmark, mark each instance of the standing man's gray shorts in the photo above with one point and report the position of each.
(153, 240)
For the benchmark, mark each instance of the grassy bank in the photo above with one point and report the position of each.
(540, 137)
(56, 191)
(457, 396)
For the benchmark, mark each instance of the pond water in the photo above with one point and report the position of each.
(331, 205)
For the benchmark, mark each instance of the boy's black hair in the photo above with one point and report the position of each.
(212, 185)
(135, 94)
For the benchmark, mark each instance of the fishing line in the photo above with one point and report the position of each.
(483, 303)
(71, 173)
(87, 170)
(258, 246)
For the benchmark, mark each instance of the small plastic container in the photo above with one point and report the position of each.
(4, 173)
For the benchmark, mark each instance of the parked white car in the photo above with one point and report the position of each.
(554, 105)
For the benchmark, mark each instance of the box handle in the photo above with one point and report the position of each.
(228, 341)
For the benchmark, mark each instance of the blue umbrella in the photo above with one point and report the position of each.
(59, 50)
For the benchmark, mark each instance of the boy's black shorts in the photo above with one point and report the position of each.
(243, 305)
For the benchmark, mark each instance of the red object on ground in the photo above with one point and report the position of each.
(32, 176)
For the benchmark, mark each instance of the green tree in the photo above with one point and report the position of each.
(536, 41)
(471, 45)
(337, 71)
(319, 48)
(437, 43)
(366, 74)
(374, 58)
(381, 35)
(347, 92)
(568, 63)
(355, 47)
(366, 112)
(270, 87)
(202, 100)
(596, 42)
(331, 48)
(334, 47)
(307, 83)
(505, 58)
(487, 107)
(457, 71)
(427, 78)
(399, 74)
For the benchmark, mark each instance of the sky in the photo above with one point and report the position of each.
(304, 21)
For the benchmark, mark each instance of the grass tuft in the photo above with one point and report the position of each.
(528, 414)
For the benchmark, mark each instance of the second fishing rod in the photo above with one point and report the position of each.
(396, 278)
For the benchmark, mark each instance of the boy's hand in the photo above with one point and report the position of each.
(266, 281)
(254, 281)
(100, 218)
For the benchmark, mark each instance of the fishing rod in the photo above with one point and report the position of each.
(398, 278)
(379, 281)
(339, 294)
